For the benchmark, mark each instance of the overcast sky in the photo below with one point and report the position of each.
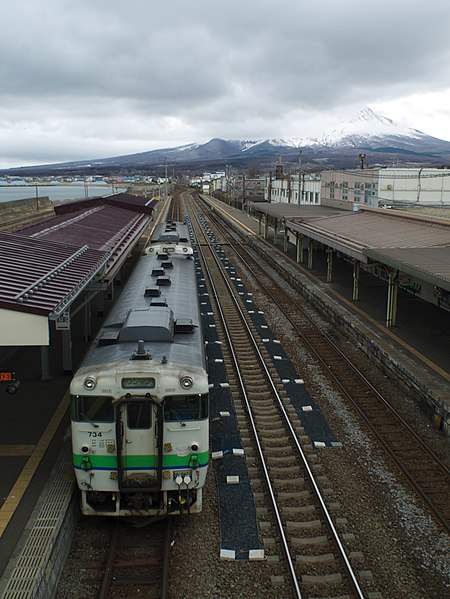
(91, 79)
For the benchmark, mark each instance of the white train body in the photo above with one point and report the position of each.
(139, 402)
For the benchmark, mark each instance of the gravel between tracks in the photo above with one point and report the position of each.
(401, 546)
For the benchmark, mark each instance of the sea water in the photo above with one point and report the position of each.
(55, 192)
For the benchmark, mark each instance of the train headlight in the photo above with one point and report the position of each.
(194, 447)
(186, 382)
(85, 448)
(90, 383)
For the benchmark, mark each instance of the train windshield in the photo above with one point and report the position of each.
(185, 407)
(92, 408)
(139, 414)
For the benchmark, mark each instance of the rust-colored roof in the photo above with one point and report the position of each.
(103, 227)
(41, 276)
(46, 265)
(121, 200)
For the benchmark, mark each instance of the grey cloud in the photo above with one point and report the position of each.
(81, 69)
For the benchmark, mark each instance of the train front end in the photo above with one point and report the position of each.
(140, 439)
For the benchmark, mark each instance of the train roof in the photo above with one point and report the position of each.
(158, 305)
(172, 232)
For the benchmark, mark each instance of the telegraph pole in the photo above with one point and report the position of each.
(300, 185)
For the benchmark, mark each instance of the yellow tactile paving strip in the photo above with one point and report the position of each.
(36, 454)
(16, 450)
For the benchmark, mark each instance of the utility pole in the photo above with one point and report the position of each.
(300, 180)
(166, 183)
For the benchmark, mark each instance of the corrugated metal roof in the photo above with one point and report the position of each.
(413, 244)
(385, 229)
(102, 227)
(41, 276)
(430, 264)
(46, 265)
(295, 211)
(120, 200)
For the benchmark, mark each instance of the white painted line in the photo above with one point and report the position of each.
(233, 480)
(256, 554)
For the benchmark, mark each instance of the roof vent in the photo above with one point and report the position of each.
(184, 325)
(167, 264)
(162, 255)
(152, 292)
(163, 281)
(157, 272)
(141, 353)
(159, 302)
(108, 338)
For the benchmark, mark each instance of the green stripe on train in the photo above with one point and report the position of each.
(140, 461)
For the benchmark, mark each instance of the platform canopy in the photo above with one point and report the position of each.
(46, 266)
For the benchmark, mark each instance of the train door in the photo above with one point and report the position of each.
(139, 442)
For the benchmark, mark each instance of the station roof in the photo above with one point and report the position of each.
(414, 244)
(41, 276)
(282, 210)
(45, 266)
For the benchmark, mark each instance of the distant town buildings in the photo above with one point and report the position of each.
(346, 189)
(377, 188)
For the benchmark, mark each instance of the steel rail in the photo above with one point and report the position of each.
(446, 471)
(288, 423)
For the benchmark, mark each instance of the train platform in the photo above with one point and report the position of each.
(417, 348)
(37, 483)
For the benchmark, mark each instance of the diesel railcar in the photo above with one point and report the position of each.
(139, 401)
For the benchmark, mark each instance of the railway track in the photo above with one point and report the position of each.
(136, 564)
(425, 472)
(300, 525)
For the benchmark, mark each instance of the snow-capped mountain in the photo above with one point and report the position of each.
(379, 137)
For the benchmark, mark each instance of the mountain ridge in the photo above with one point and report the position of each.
(366, 131)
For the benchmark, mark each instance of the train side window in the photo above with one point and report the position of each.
(185, 407)
(95, 408)
(139, 414)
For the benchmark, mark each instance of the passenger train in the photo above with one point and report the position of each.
(139, 401)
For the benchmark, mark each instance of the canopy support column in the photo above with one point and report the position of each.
(356, 281)
(391, 310)
(310, 254)
(298, 247)
(329, 265)
(45, 363)
(100, 304)
(66, 336)
(87, 321)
